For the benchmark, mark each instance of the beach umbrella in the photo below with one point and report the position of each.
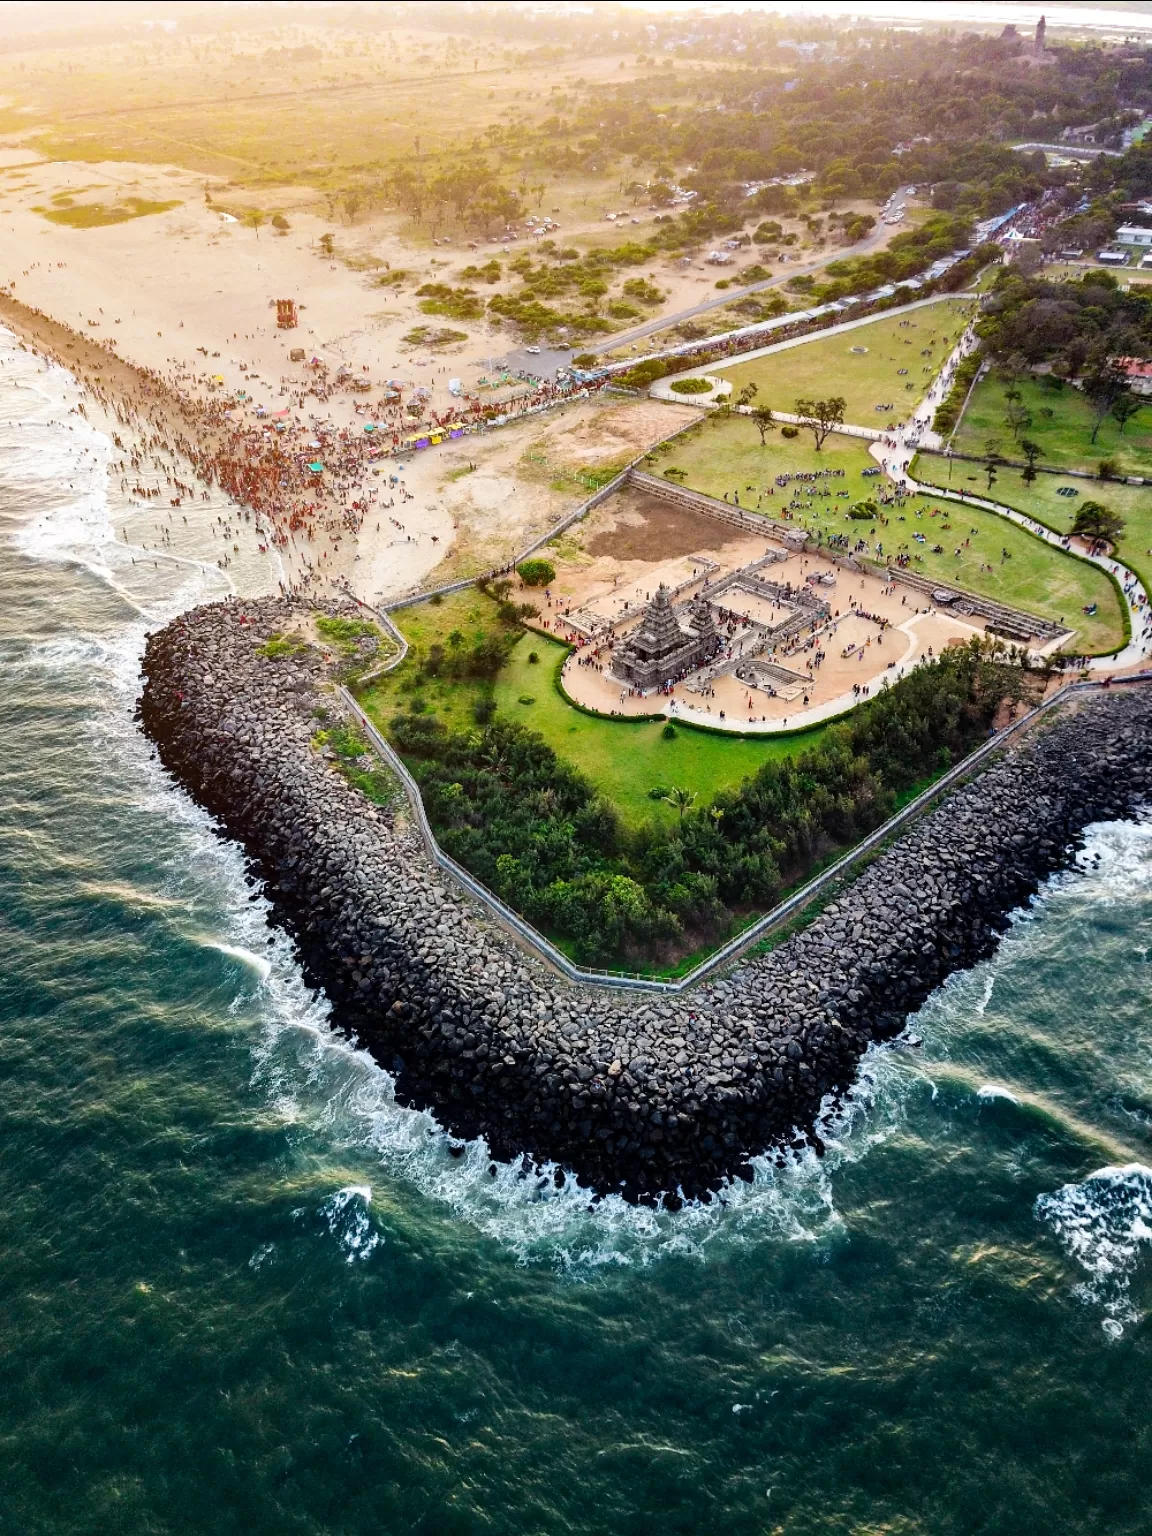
(316, 468)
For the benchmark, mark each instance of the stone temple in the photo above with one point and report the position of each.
(658, 651)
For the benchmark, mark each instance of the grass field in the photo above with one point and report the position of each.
(725, 455)
(829, 366)
(96, 215)
(624, 759)
(1040, 500)
(1062, 422)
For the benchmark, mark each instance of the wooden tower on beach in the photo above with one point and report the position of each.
(286, 316)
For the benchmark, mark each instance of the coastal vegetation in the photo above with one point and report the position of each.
(536, 831)
(626, 760)
(638, 842)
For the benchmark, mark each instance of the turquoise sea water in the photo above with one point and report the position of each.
(242, 1290)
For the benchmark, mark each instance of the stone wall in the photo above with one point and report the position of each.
(639, 1093)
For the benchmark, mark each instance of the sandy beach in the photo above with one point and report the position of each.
(170, 323)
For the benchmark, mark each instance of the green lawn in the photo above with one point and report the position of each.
(424, 625)
(725, 455)
(1040, 500)
(828, 366)
(624, 759)
(96, 215)
(1065, 434)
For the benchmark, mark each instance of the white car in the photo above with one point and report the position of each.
(535, 351)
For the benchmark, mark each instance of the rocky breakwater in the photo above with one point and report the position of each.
(642, 1093)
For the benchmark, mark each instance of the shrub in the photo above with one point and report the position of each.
(690, 387)
(669, 732)
(645, 373)
(536, 573)
(456, 303)
(533, 658)
(789, 432)
(584, 360)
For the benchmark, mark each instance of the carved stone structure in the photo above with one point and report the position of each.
(658, 651)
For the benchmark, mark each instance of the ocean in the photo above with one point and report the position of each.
(242, 1289)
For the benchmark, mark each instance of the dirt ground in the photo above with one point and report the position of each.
(500, 490)
(637, 526)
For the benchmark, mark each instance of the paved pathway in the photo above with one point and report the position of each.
(661, 390)
(894, 451)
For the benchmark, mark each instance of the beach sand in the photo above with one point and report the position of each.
(151, 312)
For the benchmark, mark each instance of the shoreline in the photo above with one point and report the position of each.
(646, 1096)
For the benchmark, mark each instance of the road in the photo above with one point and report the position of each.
(878, 237)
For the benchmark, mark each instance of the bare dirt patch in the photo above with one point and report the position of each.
(636, 526)
(613, 434)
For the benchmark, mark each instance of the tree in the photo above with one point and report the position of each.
(1124, 407)
(1102, 385)
(328, 244)
(764, 420)
(254, 221)
(536, 573)
(821, 416)
(1031, 451)
(992, 457)
(681, 800)
(1016, 418)
(1096, 521)
(408, 191)
(747, 394)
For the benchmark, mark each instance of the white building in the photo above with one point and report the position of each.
(1134, 234)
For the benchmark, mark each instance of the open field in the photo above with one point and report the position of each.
(822, 368)
(1040, 500)
(1062, 422)
(725, 457)
(624, 759)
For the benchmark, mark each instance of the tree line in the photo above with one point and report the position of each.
(537, 832)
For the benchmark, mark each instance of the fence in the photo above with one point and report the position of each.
(793, 906)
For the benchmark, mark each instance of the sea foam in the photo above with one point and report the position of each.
(309, 1074)
(1104, 1223)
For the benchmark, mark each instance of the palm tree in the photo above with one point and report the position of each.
(682, 799)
